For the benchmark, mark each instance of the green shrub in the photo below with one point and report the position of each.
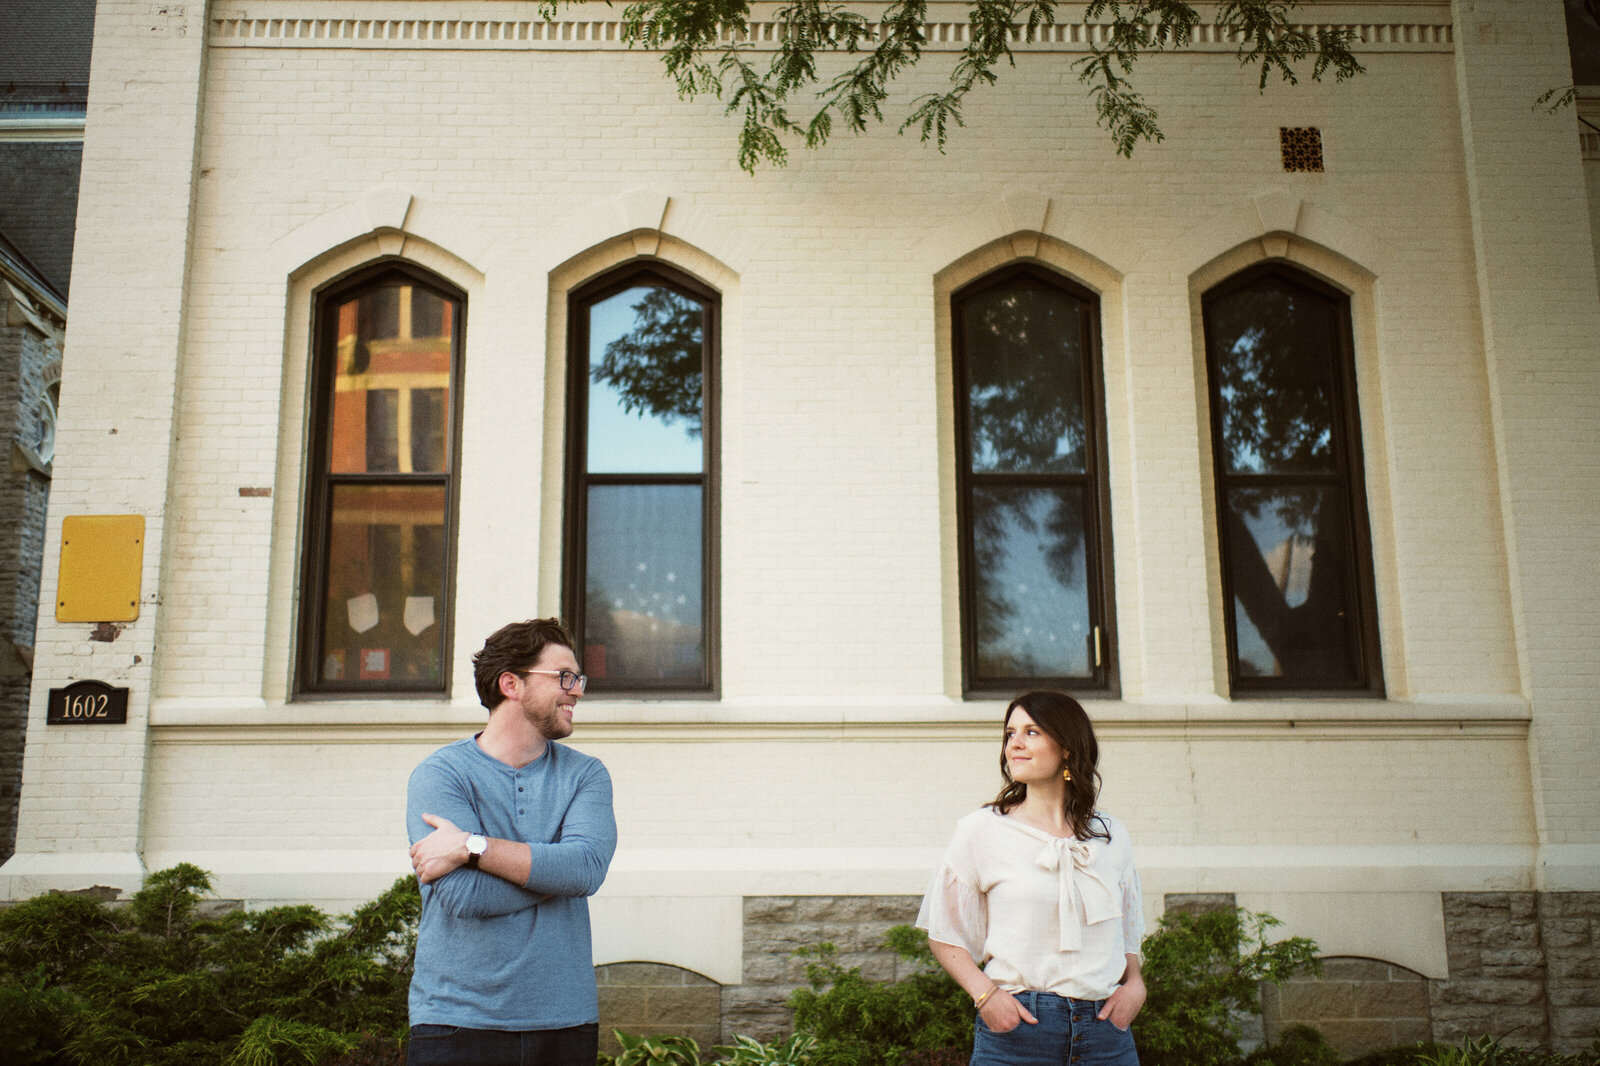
(156, 982)
(1202, 973)
(858, 1022)
(1408, 1055)
(1297, 1045)
(1489, 1051)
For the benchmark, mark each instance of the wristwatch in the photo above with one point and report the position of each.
(477, 844)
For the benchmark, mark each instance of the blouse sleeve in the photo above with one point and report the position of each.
(954, 911)
(1132, 912)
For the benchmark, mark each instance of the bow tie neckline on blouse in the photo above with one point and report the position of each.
(1072, 860)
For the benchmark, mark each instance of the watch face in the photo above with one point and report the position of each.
(477, 845)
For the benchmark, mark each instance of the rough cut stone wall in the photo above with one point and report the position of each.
(1497, 969)
(1569, 928)
(1524, 966)
(775, 926)
(1360, 1005)
(654, 999)
(25, 355)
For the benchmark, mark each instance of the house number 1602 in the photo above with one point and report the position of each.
(87, 703)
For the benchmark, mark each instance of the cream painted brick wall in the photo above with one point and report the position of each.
(117, 396)
(833, 529)
(832, 518)
(1541, 324)
(674, 795)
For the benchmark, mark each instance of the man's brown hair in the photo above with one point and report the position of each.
(514, 648)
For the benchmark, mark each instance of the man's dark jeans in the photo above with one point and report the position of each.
(453, 1045)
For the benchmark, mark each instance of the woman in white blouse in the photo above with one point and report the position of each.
(1035, 910)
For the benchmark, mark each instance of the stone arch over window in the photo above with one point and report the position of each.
(657, 999)
(1027, 328)
(1359, 1004)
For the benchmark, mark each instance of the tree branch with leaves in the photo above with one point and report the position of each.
(708, 48)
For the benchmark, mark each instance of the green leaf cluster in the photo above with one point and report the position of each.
(159, 981)
(1203, 972)
(861, 1022)
(798, 1050)
(708, 49)
(1489, 1051)
(653, 1051)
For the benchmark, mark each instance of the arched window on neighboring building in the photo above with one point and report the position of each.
(1031, 485)
(1301, 613)
(641, 561)
(380, 517)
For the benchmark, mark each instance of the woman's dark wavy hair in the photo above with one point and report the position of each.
(1065, 722)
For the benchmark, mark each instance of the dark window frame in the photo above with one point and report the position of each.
(1103, 681)
(1349, 479)
(643, 271)
(316, 533)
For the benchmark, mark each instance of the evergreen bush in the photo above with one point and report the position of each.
(158, 981)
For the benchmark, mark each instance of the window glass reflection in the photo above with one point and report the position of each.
(394, 351)
(646, 348)
(642, 605)
(386, 566)
(1032, 609)
(1024, 363)
(1276, 360)
(1293, 611)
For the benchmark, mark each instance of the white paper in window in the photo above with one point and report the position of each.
(363, 610)
(419, 614)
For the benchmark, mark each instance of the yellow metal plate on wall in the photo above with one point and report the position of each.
(102, 557)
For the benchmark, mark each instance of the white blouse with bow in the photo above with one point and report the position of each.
(1037, 911)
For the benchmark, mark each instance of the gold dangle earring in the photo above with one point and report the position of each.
(1066, 771)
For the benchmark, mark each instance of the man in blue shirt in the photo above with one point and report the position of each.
(510, 833)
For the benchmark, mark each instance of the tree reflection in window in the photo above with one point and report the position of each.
(1295, 554)
(1035, 605)
(639, 544)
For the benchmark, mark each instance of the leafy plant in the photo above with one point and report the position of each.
(645, 1050)
(1405, 1055)
(1489, 1051)
(707, 49)
(1297, 1045)
(1203, 972)
(860, 1022)
(157, 981)
(747, 1051)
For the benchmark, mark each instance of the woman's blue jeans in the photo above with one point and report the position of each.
(1068, 1034)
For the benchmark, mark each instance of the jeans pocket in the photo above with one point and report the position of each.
(429, 1031)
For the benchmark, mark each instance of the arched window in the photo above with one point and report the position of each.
(1033, 509)
(640, 581)
(1291, 501)
(380, 514)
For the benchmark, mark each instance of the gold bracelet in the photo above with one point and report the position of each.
(978, 1003)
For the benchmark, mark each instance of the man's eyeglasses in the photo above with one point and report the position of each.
(565, 678)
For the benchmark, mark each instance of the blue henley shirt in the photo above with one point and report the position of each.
(492, 954)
